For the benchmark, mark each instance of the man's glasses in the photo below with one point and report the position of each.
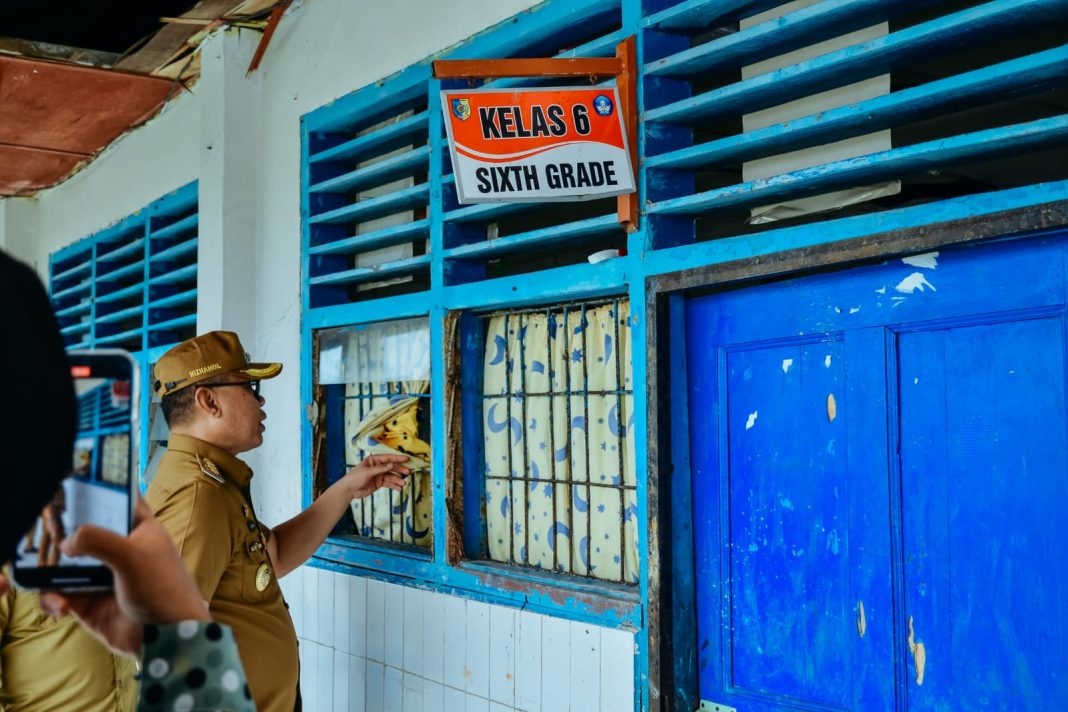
(253, 386)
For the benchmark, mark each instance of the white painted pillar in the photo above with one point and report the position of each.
(229, 199)
(18, 233)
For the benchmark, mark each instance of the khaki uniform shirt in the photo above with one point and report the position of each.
(51, 663)
(201, 495)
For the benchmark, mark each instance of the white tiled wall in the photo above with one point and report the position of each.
(369, 646)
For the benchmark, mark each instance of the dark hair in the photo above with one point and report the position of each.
(178, 406)
(38, 415)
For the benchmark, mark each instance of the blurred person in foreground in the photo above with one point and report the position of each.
(155, 610)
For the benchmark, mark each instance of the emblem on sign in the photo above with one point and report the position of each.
(461, 109)
(602, 105)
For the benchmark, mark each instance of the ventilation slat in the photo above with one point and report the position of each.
(178, 275)
(72, 272)
(177, 323)
(365, 210)
(182, 249)
(120, 315)
(75, 329)
(376, 239)
(129, 335)
(696, 15)
(175, 228)
(546, 237)
(124, 271)
(404, 132)
(75, 310)
(134, 290)
(1016, 139)
(186, 297)
(135, 247)
(389, 169)
(388, 270)
(76, 289)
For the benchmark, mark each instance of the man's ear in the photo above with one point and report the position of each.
(204, 400)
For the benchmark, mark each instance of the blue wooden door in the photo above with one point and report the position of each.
(880, 466)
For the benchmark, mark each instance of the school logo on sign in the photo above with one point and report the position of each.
(602, 105)
(461, 109)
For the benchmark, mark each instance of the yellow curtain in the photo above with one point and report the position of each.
(560, 471)
(115, 459)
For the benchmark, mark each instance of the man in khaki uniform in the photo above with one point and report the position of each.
(210, 399)
(55, 664)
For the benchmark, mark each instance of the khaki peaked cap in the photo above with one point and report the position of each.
(209, 355)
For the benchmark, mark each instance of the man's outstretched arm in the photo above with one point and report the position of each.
(294, 541)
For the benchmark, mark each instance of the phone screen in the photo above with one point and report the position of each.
(99, 487)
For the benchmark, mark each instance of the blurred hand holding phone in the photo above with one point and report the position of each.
(100, 488)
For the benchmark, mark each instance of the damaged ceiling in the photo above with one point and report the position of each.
(76, 75)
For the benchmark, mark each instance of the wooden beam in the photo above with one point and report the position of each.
(268, 33)
(185, 21)
(537, 67)
(627, 84)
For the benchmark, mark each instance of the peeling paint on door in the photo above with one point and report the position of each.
(912, 283)
(862, 621)
(925, 261)
(832, 408)
(919, 654)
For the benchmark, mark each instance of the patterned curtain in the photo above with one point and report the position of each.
(385, 371)
(390, 426)
(559, 451)
(115, 459)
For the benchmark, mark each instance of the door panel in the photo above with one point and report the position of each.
(984, 465)
(788, 519)
(804, 534)
(932, 486)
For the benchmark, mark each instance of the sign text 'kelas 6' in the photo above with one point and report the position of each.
(537, 145)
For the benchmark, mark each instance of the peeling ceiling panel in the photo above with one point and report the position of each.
(24, 171)
(54, 115)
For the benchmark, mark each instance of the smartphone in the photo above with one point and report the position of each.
(100, 487)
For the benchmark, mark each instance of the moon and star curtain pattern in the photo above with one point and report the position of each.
(559, 451)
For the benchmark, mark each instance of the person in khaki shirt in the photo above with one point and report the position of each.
(55, 664)
(210, 398)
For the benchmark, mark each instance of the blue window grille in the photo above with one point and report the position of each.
(367, 196)
(556, 400)
(972, 97)
(102, 448)
(133, 286)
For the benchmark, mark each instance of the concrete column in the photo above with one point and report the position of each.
(229, 166)
(18, 233)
